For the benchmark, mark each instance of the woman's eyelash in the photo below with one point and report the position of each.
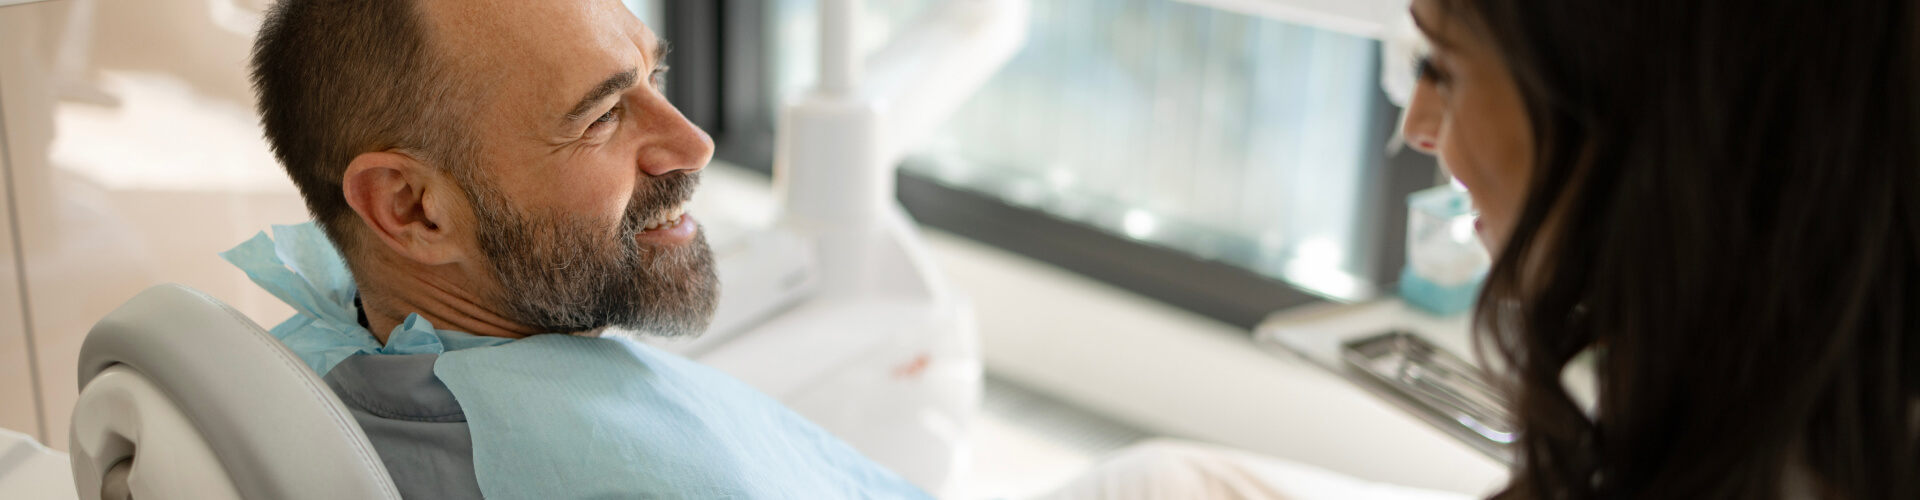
(1424, 69)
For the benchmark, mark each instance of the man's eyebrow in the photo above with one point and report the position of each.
(1427, 29)
(615, 84)
(660, 50)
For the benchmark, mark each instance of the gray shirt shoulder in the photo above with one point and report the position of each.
(413, 422)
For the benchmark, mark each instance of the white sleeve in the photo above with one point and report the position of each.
(1165, 469)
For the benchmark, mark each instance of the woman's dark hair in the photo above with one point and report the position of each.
(1725, 208)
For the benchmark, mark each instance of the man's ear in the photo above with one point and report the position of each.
(404, 205)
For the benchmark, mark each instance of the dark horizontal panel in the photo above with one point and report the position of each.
(1217, 290)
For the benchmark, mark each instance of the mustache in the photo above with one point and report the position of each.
(653, 198)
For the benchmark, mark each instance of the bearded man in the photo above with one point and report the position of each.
(496, 183)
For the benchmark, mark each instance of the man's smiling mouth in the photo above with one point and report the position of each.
(670, 224)
(668, 219)
(659, 211)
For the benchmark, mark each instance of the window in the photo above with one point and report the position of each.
(1230, 164)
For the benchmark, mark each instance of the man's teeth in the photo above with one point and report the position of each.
(671, 220)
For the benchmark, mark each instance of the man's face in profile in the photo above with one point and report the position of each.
(581, 169)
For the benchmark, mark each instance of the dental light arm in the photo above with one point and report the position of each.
(939, 62)
(881, 350)
(1384, 20)
(836, 147)
(1368, 18)
(840, 59)
(927, 71)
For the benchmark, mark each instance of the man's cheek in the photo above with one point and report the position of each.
(602, 197)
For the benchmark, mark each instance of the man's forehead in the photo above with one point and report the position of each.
(534, 40)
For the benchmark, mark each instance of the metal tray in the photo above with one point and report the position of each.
(1437, 385)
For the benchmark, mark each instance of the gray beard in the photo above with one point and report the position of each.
(563, 273)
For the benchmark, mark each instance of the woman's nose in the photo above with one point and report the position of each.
(1421, 128)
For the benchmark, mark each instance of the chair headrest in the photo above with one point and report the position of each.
(277, 428)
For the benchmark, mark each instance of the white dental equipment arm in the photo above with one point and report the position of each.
(880, 351)
(1368, 18)
(837, 146)
(1384, 20)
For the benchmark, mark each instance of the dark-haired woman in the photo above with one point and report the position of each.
(1720, 200)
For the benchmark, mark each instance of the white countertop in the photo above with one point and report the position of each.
(29, 470)
(1170, 371)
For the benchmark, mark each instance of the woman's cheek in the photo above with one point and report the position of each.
(1483, 186)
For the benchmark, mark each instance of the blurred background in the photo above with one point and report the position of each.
(1125, 202)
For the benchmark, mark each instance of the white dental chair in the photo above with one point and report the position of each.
(183, 397)
(837, 311)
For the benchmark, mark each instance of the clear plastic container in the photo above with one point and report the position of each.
(1445, 260)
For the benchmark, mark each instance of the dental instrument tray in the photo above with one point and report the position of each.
(1438, 386)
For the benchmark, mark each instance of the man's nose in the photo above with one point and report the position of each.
(673, 142)
(1421, 128)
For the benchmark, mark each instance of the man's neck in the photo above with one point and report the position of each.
(447, 296)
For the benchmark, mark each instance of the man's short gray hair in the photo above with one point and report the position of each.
(339, 78)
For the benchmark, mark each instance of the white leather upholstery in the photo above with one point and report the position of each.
(274, 426)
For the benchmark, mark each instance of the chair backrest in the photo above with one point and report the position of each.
(276, 428)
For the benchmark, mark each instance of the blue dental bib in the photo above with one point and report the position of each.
(560, 416)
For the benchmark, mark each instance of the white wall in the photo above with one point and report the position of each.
(24, 103)
(112, 199)
(18, 409)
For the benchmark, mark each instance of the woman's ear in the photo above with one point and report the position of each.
(404, 204)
